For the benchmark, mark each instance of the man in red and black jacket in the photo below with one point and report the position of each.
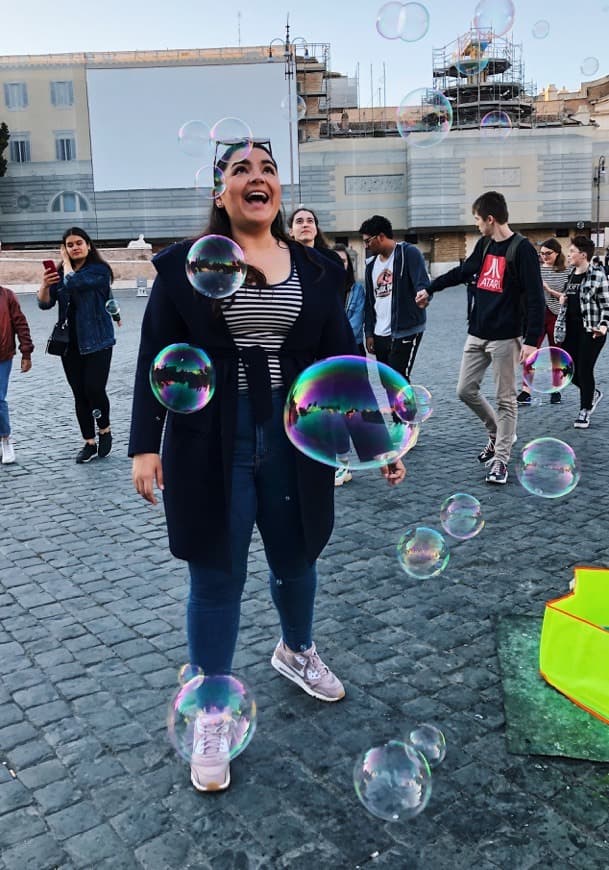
(12, 323)
(505, 302)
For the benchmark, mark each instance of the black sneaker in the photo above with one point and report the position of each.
(597, 397)
(583, 420)
(497, 472)
(555, 398)
(523, 398)
(86, 453)
(488, 452)
(104, 441)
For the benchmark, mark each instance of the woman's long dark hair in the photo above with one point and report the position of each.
(320, 241)
(219, 221)
(560, 264)
(93, 256)
(350, 274)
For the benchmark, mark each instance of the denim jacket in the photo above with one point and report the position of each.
(91, 288)
(354, 309)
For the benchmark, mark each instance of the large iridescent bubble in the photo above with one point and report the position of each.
(422, 552)
(548, 370)
(350, 411)
(215, 266)
(182, 378)
(223, 703)
(548, 467)
(494, 16)
(393, 781)
(424, 117)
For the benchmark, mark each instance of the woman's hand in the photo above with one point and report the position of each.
(599, 331)
(146, 471)
(562, 298)
(394, 473)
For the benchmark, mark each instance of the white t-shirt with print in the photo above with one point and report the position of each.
(382, 283)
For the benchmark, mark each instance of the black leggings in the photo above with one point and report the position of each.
(87, 375)
(399, 353)
(584, 350)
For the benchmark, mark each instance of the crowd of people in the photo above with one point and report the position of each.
(300, 302)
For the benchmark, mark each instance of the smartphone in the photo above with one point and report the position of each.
(48, 265)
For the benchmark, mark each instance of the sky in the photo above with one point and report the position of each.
(388, 68)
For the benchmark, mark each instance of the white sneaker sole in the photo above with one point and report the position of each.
(342, 480)
(285, 671)
(211, 786)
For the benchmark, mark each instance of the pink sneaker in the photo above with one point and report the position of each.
(307, 670)
(209, 765)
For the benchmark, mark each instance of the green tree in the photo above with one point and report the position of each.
(4, 137)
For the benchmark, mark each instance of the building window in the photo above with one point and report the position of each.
(62, 94)
(15, 95)
(19, 148)
(69, 201)
(65, 145)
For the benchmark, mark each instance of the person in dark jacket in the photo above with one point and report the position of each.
(230, 465)
(12, 323)
(505, 297)
(395, 278)
(80, 286)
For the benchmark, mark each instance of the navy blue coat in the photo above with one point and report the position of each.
(198, 448)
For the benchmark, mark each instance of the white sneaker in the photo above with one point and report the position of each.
(342, 475)
(8, 451)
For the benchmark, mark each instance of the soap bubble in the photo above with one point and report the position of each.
(194, 139)
(188, 672)
(590, 66)
(430, 742)
(390, 20)
(496, 125)
(496, 16)
(113, 308)
(215, 266)
(422, 552)
(416, 22)
(548, 370)
(296, 112)
(182, 378)
(232, 131)
(210, 176)
(222, 702)
(541, 29)
(461, 516)
(96, 413)
(423, 400)
(548, 467)
(393, 781)
(424, 117)
(351, 411)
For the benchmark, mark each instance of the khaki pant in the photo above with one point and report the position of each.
(503, 355)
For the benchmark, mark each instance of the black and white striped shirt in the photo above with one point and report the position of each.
(555, 281)
(264, 316)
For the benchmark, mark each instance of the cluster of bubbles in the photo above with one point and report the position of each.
(423, 551)
(351, 411)
(406, 21)
(393, 780)
(197, 139)
(222, 699)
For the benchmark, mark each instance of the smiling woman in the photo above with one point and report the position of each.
(231, 465)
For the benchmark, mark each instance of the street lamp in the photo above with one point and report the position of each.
(289, 58)
(598, 178)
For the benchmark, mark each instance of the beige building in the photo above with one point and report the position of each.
(547, 173)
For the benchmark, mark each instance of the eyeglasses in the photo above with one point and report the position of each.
(547, 253)
(368, 240)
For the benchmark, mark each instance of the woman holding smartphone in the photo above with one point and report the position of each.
(80, 287)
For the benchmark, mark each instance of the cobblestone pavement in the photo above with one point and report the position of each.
(92, 634)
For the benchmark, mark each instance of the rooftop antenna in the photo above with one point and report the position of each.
(239, 28)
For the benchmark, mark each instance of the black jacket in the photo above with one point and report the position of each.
(409, 276)
(515, 306)
(198, 448)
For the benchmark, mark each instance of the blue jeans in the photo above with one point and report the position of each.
(263, 492)
(5, 370)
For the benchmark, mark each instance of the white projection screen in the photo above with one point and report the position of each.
(135, 114)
